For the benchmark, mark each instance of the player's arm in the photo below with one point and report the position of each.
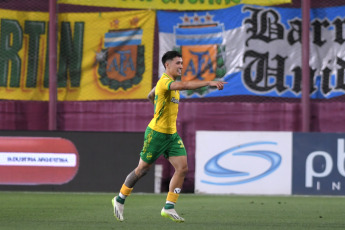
(184, 85)
(151, 95)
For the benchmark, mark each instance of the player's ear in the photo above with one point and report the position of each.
(167, 63)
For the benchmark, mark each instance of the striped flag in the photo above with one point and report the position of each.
(123, 38)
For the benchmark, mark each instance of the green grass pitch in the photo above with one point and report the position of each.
(68, 211)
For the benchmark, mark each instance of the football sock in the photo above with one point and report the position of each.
(171, 199)
(169, 206)
(120, 200)
(124, 192)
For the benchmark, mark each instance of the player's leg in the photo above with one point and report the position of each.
(181, 168)
(148, 156)
(127, 187)
(132, 178)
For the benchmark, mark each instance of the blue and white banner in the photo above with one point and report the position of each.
(243, 162)
(318, 164)
(270, 163)
(257, 50)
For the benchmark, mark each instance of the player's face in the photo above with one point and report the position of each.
(174, 67)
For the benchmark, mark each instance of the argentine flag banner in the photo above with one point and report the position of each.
(257, 50)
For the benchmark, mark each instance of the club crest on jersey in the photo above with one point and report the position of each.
(174, 100)
(121, 59)
(148, 156)
(199, 39)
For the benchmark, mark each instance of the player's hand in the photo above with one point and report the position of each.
(218, 84)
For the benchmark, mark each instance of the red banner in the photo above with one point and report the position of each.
(37, 160)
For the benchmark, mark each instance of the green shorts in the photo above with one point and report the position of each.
(156, 144)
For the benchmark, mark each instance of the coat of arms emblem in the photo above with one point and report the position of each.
(121, 62)
(199, 39)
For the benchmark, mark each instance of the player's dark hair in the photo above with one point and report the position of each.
(169, 56)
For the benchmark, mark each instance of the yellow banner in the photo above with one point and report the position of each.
(173, 4)
(101, 56)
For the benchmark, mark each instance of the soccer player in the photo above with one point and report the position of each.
(161, 136)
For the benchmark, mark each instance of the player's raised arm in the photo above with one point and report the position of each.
(151, 95)
(184, 85)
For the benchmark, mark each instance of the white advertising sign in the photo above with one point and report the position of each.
(38, 159)
(243, 162)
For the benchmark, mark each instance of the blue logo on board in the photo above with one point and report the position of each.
(213, 167)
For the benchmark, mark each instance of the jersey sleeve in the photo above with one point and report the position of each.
(166, 82)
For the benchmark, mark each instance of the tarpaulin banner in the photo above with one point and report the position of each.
(172, 4)
(101, 56)
(37, 160)
(257, 50)
(269, 163)
(243, 162)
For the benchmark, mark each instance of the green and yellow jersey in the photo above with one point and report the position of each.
(165, 106)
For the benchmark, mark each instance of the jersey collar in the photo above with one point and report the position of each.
(165, 74)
